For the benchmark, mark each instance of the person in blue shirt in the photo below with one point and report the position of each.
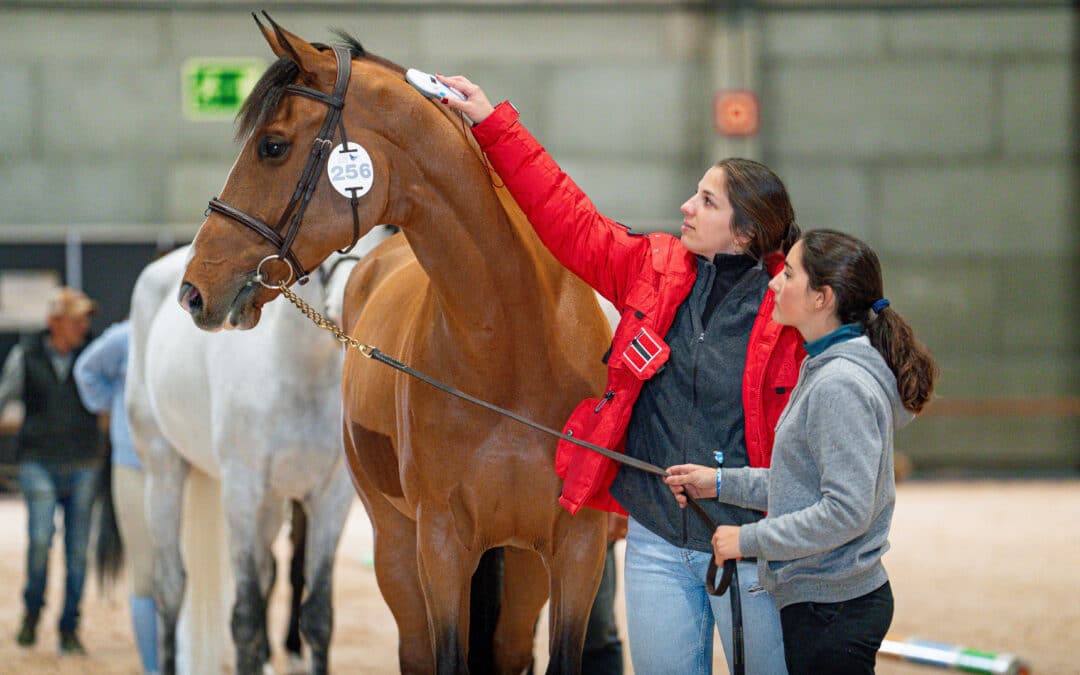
(100, 372)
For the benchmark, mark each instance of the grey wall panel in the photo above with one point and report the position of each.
(981, 33)
(835, 196)
(982, 209)
(951, 302)
(17, 108)
(1025, 444)
(1038, 115)
(633, 111)
(802, 37)
(126, 109)
(896, 110)
(71, 35)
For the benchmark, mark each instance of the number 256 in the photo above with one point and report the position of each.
(350, 172)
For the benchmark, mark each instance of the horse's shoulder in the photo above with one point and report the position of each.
(385, 271)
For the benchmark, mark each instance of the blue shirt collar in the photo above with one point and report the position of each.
(845, 332)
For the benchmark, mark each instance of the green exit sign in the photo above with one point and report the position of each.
(214, 88)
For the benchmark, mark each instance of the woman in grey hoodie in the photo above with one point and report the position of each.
(830, 491)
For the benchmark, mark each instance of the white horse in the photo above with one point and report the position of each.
(249, 420)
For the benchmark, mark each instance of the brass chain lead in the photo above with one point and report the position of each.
(324, 323)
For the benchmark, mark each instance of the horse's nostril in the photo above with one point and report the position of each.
(190, 298)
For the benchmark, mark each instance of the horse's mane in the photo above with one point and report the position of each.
(266, 95)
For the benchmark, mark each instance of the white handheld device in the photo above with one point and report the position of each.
(427, 85)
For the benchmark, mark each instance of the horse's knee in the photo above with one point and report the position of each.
(168, 585)
(248, 616)
(316, 623)
(317, 615)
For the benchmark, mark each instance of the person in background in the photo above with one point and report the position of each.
(830, 491)
(58, 454)
(100, 372)
(697, 372)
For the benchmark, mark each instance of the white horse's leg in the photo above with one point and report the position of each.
(166, 474)
(327, 512)
(253, 518)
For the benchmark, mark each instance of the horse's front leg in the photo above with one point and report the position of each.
(395, 554)
(576, 564)
(328, 509)
(253, 518)
(524, 592)
(166, 474)
(446, 568)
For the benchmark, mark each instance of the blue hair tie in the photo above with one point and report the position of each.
(879, 305)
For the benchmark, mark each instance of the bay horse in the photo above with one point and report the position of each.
(467, 294)
(249, 421)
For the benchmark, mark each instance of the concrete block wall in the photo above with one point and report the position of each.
(942, 137)
(92, 110)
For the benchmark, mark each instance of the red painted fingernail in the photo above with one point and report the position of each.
(446, 100)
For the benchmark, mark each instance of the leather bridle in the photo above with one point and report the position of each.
(293, 215)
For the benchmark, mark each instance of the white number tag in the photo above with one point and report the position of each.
(350, 170)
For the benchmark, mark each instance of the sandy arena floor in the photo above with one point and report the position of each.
(989, 565)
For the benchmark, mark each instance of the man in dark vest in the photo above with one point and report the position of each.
(58, 454)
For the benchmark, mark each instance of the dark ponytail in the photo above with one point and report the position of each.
(852, 270)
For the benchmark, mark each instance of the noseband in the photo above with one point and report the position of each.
(293, 215)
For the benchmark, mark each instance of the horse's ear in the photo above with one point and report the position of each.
(299, 50)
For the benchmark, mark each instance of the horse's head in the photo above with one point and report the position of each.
(313, 176)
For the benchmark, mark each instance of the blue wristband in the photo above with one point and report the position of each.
(718, 470)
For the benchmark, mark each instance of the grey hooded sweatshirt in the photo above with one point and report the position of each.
(830, 491)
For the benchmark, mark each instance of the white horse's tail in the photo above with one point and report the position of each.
(202, 636)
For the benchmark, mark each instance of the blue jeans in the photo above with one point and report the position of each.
(44, 487)
(670, 616)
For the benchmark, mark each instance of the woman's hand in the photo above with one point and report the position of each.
(725, 544)
(697, 481)
(475, 105)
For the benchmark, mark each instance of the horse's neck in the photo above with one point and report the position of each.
(482, 265)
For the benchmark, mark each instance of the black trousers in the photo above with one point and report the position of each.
(839, 638)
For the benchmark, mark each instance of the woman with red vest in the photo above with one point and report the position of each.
(698, 372)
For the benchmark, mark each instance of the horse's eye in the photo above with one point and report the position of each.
(271, 147)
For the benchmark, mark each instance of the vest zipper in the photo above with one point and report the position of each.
(604, 401)
(690, 420)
